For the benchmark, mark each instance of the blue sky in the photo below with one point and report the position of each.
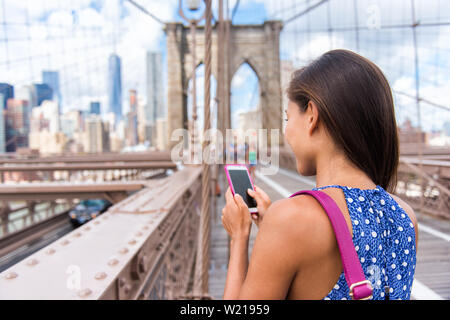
(43, 34)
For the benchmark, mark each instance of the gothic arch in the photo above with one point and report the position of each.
(256, 45)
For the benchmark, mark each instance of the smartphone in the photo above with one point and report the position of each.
(239, 180)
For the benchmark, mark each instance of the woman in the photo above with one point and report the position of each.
(341, 127)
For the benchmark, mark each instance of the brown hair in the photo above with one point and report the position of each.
(355, 105)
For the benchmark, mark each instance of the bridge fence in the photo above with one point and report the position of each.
(144, 247)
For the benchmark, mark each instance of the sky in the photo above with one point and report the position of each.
(76, 37)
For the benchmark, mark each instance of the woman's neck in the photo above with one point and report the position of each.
(336, 169)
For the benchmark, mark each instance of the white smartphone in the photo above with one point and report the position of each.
(239, 180)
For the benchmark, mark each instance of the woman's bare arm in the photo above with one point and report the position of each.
(237, 268)
(275, 257)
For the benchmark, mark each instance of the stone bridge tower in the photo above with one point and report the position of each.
(256, 45)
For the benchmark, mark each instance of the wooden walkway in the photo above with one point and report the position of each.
(432, 277)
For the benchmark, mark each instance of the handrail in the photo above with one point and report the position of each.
(120, 255)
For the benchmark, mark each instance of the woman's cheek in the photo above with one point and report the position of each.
(292, 136)
(288, 135)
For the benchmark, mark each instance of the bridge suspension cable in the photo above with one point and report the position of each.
(298, 15)
(420, 99)
(134, 3)
(235, 9)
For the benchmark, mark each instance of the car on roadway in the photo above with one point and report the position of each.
(87, 210)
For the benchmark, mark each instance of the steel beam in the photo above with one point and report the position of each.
(140, 248)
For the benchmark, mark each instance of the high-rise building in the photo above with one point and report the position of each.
(155, 103)
(17, 124)
(96, 135)
(27, 93)
(50, 110)
(7, 91)
(132, 125)
(51, 78)
(48, 142)
(161, 134)
(2, 125)
(94, 107)
(45, 117)
(71, 123)
(115, 86)
(42, 91)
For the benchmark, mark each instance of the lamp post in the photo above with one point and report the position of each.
(193, 5)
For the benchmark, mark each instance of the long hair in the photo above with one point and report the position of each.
(355, 104)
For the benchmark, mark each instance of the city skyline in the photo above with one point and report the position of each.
(76, 40)
(90, 52)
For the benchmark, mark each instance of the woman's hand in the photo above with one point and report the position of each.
(236, 217)
(262, 203)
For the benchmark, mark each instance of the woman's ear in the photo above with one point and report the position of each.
(312, 114)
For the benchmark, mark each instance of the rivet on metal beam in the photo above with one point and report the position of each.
(84, 292)
(145, 227)
(65, 242)
(87, 228)
(113, 261)
(50, 251)
(32, 262)
(100, 275)
(138, 234)
(11, 275)
(77, 234)
(123, 251)
(132, 241)
(96, 222)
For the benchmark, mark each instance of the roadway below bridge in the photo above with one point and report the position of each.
(432, 276)
(23, 243)
(27, 249)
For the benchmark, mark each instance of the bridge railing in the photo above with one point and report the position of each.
(435, 183)
(435, 174)
(93, 167)
(25, 214)
(144, 247)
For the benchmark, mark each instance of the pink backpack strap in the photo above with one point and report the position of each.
(360, 288)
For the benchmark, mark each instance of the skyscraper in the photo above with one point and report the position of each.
(132, 133)
(2, 125)
(115, 86)
(51, 78)
(7, 91)
(17, 124)
(95, 135)
(42, 91)
(155, 106)
(95, 107)
(28, 93)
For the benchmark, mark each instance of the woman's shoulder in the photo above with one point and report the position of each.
(301, 208)
(302, 221)
(406, 207)
(409, 211)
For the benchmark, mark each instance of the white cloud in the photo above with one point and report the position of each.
(76, 39)
(80, 47)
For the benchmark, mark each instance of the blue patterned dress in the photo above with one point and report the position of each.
(384, 239)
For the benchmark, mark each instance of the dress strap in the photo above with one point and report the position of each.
(359, 287)
(330, 186)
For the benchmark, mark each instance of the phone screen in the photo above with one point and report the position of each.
(241, 182)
